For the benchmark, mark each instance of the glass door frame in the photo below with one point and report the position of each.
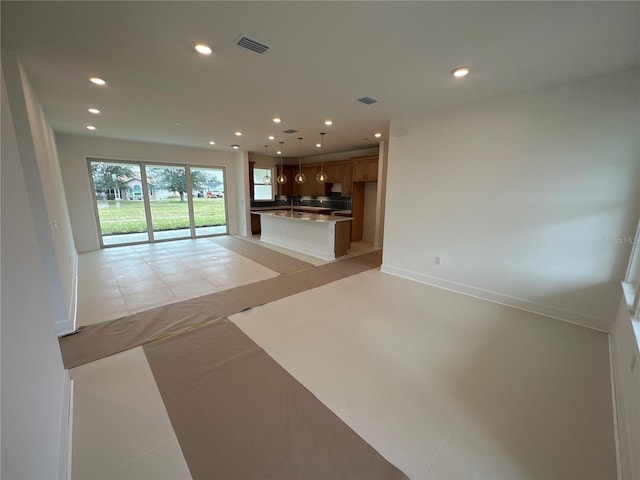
(142, 164)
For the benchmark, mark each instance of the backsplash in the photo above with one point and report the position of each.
(334, 201)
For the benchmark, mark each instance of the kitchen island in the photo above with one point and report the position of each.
(315, 234)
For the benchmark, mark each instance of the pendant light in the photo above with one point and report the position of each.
(267, 178)
(321, 176)
(281, 179)
(300, 177)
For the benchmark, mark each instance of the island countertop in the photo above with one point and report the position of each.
(303, 216)
(294, 208)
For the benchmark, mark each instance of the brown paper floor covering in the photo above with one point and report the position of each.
(237, 414)
(101, 340)
(266, 257)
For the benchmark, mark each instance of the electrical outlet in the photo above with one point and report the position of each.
(633, 362)
(437, 261)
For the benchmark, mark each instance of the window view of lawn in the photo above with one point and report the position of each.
(127, 216)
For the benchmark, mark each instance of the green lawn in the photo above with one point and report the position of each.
(127, 216)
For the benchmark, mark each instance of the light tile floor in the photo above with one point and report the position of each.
(442, 385)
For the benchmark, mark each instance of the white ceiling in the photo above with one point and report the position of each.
(322, 57)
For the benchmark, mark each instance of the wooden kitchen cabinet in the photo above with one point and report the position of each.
(334, 172)
(365, 169)
(347, 179)
(287, 188)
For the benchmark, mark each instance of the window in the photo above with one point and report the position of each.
(262, 191)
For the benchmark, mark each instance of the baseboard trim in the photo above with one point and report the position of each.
(519, 303)
(66, 429)
(614, 403)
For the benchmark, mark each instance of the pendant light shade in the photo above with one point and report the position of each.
(321, 176)
(300, 177)
(281, 179)
(267, 178)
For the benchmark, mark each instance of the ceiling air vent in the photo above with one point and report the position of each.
(367, 100)
(252, 45)
(290, 131)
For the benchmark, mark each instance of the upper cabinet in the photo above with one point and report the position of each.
(333, 171)
(347, 179)
(345, 172)
(365, 169)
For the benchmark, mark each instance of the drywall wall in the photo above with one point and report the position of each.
(522, 197)
(623, 345)
(73, 151)
(44, 182)
(35, 387)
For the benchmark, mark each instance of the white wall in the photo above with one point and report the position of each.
(73, 151)
(521, 196)
(44, 182)
(624, 348)
(35, 387)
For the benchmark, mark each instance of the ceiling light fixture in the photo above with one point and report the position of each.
(97, 81)
(281, 179)
(267, 178)
(300, 177)
(203, 48)
(271, 137)
(328, 123)
(212, 142)
(321, 176)
(277, 120)
(235, 147)
(460, 72)
(93, 110)
(318, 145)
(377, 134)
(90, 127)
(238, 133)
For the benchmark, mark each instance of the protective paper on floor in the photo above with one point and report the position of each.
(266, 257)
(239, 415)
(101, 340)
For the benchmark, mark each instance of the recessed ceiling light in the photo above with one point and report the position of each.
(377, 134)
(212, 142)
(277, 120)
(460, 72)
(95, 111)
(203, 48)
(97, 81)
(328, 123)
(271, 137)
(235, 147)
(279, 152)
(90, 127)
(318, 145)
(238, 133)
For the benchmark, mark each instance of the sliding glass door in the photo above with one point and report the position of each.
(139, 202)
(120, 208)
(209, 212)
(168, 201)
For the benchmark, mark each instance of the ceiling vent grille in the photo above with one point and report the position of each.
(252, 45)
(367, 100)
(290, 131)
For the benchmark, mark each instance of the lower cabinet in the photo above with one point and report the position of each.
(255, 224)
